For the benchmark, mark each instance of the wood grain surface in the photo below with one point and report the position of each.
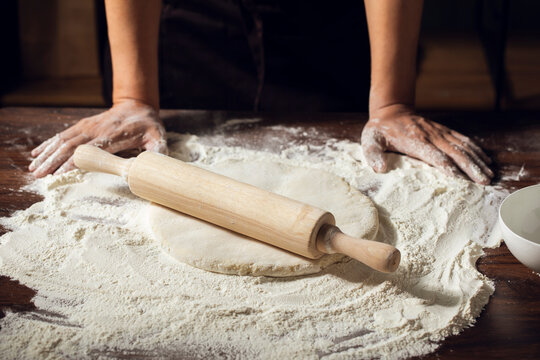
(509, 326)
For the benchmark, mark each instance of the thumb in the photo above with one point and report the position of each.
(156, 141)
(374, 146)
(159, 145)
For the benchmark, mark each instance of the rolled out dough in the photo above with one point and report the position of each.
(212, 248)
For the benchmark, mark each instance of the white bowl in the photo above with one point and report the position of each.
(519, 217)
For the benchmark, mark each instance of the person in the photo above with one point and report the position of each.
(133, 120)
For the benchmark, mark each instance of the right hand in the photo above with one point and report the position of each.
(127, 125)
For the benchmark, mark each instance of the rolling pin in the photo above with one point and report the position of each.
(243, 208)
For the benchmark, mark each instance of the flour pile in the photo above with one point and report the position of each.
(106, 288)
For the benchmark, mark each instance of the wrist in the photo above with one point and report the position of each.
(391, 110)
(131, 104)
(136, 102)
(137, 87)
(389, 94)
(383, 102)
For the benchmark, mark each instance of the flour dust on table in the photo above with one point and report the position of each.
(106, 288)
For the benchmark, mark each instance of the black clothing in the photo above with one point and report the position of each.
(277, 55)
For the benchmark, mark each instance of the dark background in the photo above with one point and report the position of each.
(474, 55)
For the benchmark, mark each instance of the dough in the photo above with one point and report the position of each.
(212, 248)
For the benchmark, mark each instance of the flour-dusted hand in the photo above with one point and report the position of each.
(133, 121)
(127, 125)
(398, 128)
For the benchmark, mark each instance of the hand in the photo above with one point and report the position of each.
(127, 125)
(397, 128)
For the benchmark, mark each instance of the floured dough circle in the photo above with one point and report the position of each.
(212, 248)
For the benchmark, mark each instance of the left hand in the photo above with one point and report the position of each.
(397, 128)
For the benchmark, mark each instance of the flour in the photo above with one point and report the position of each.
(106, 289)
(511, 173)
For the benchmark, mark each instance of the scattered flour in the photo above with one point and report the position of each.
(105, 288)
(236, 122)
(510, 173)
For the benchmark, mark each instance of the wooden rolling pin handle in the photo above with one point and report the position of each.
(379, 256)
(92, 158)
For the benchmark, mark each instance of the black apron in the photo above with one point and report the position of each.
(269, 55)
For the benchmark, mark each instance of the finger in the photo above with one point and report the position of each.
(155, 139)
(43, 145)
(477, 149)
(464, 161)
(53, 161)
(69, 133)
(469, 167)
(67, 166)
(465, 140)
(59, 156)
(430, 154)
(49, 149)
(374, 146)
(159, 146)
(478, 161)
(476, 158)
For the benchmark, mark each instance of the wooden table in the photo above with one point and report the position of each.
(509, 327)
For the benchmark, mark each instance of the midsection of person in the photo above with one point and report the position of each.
(264, 55)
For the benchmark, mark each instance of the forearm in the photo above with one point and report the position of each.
(394, 27)
(133, 27)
